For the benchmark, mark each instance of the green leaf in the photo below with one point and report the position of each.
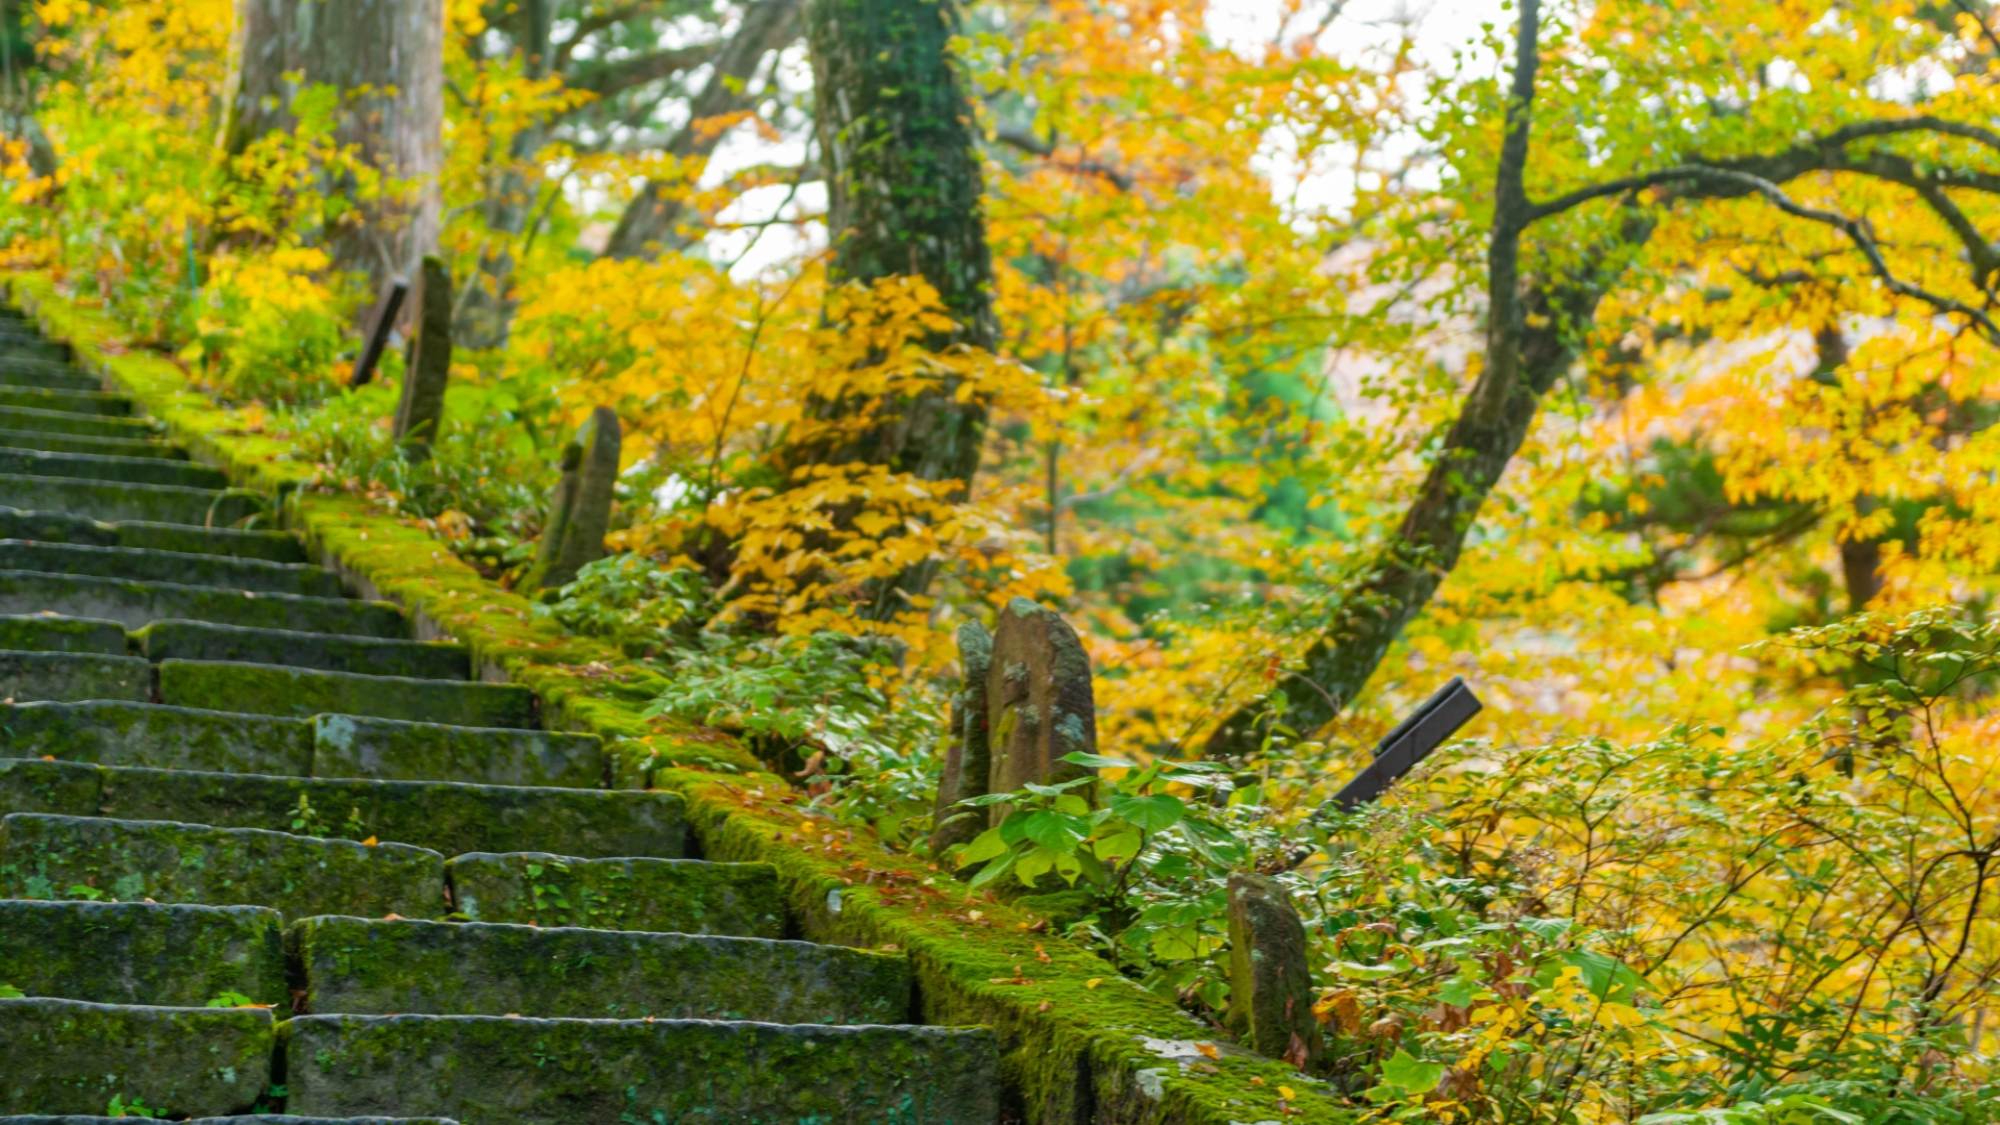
(987, 845)
(1149, 814)
(1097, 761)
(1460, 992)
(1410, 1074)
(1355, 970)
(1053, 830)
(1118, 845)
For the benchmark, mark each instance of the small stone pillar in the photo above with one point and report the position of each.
(1270, 982)
(968, 758)
(427, 363)
(1039, 705)
(580, 509)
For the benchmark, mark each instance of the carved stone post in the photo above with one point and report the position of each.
(1039, 704)
(580, 509)
(1270, 982)
(969, 758)
(428, 364)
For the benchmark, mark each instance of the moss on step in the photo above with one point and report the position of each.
(67, 788)
(138, 734)
(111, 500)
(52, 857)
(180, 568)
(448, 817)
(45, 632)
(68, 676)
(65, 399)
(489, 1069)
(47, 442)
(365, 966)
(260, 1119)
(29, 420)
(200, 640)
(102, 467)
(142, 953)
(391, 749)
(70, 1056)
(56, 527)
(621, 893)
(270, 689)
(136, 604)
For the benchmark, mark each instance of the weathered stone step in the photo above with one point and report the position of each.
(71, 676)
(136, 604)
(138, 734)
(143, 953)
(32, 420)
(399, 750)
(97, 466)
(66, 399)
(45, 856)
(258, 1119)
(59, 527)
(134, 734)
(445, 816)
(73, 1057)
(53, 374)
(493, 1069)
(363, 966)
(200, 640)
(84, 443)
(179, 567)
(51, 632)
(109, 500)
(624, 893)
(268, 689)
(26, 347)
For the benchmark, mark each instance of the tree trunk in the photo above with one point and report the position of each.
(903, 186)
(485, 314)
(386, 57)
(649, 221)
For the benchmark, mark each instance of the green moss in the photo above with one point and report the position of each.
(44, 633)
(119, 500)
(98, 466)
(139, 734)
(74, 675)
(363, 966)
(136, 604)
(74, 401)
(168, 566)
(355, 746)
(201, 640)
(140, 953)
(621, 893)
(446, 816)
(94, 446)
(23, 419)
(271, 689)
(487, 1069)
(68, 788)
(68, 1056)
(76, 857)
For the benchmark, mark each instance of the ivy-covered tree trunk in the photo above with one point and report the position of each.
(385, 59)
(903, 181)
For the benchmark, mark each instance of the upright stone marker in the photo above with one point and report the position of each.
(969, 759)
(381, 323)
(1039, 705)
(1270, 983)
(427, 362)
(580, 509)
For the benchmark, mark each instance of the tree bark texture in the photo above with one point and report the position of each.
(386, 57)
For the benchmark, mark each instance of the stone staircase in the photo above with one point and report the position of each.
(262, 853)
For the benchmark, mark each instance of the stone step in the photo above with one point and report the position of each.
(97, 466)
(258, 1119)
(179, 567)
(59, 527)
(52, 632)
(135, 734)
(495, 1069)
(73, 1057)
(446, 816)
(139, 734)
(67, 399)
(136, 604)
(399, 750)
(84, 443)
(67, 677)
(26, 347)
(32, 420)
(153, 503)
(200, 640)
(143, 953)
(622, 893)
(47, 856)
(363, 966)
(268, 689)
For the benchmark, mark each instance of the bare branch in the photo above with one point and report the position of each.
(1026, 141)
